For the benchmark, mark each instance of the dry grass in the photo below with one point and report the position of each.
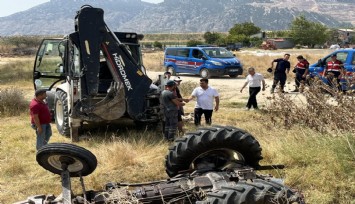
(12, 102)
(320, 164)
(154, 61)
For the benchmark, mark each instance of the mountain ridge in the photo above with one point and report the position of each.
(57, 16)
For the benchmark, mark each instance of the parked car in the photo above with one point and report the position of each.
(335, 46)
(347, 56)
(205, 61)
(234, 46)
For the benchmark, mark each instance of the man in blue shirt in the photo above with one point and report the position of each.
(282, 68)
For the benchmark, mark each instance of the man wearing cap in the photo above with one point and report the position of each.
(301, 72)
(334, 69)
(204, 102)
(282, 68)
(170, 104)
(40, 118)
(162, 81)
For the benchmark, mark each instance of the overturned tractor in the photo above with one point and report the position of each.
(209, 166)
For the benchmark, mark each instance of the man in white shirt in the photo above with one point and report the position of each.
(205, 95)
(254, 80)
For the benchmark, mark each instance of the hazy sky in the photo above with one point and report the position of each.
(8, 7)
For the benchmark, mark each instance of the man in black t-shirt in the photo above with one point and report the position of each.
(282, 67)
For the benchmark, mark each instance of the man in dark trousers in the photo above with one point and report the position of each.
(282, 68)
(170, 103)
(40, 118)
(254, 80)
(205, 95)
(301, 73)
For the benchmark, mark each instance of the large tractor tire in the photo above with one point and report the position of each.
(81, 162)
(61, 113)
(215, 146)
(257, 191)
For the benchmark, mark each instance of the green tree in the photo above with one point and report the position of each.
(193, 43)
(158, 44)
(238, 38)
(246, 29)
(278, 34)
(211, 38)
(308, 33)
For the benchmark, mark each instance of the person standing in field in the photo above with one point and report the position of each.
(301, 73)
(281, 71)
(254, 80)
(170, 103)
(40, 118)
(334, 70)
(205, 95)
(181, 108)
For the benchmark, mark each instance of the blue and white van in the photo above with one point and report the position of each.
(204, 61)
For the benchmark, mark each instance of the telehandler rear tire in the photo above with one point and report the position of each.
(216, 146)
(61, 113)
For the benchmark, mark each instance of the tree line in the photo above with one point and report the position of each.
(302, 32)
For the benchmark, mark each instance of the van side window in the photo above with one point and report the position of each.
(170, 52)
(182, 52)
(197, 54)
(342, 56)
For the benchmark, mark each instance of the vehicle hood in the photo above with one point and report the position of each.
(227, 61)
(312, 66)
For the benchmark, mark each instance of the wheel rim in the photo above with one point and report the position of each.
(204, 73)
(75, 166)
(217, 158)
(59, 113)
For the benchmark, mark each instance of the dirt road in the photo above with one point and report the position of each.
(229, 88)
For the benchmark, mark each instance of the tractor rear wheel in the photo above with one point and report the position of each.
(256, 191)
(214, 147)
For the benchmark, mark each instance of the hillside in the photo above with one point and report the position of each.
(171, 16)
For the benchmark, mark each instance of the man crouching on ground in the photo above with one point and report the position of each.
(171, 104)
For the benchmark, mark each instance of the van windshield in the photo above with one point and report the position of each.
(218, 52)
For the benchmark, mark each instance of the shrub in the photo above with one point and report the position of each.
(193, 43)
(12, 102)
(327, 110)
(158, 44)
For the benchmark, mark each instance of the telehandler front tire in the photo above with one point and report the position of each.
(61, 113)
